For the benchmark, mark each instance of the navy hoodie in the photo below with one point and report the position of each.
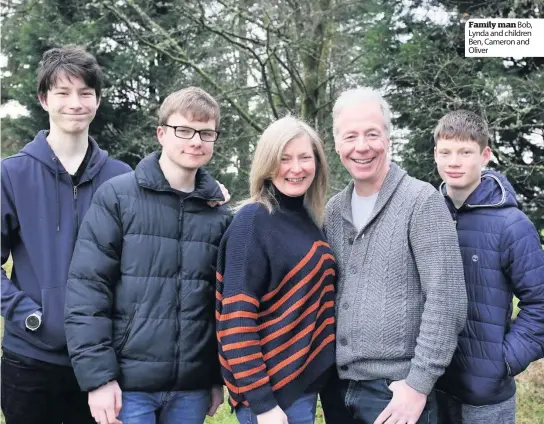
(41, 214)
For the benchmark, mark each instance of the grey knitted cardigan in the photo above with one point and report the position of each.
(401, 299)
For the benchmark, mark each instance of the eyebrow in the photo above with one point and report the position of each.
(286, 155)
(64, 87)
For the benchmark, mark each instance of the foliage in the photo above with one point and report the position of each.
(264, 59)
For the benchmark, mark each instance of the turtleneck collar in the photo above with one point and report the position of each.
(287, 202)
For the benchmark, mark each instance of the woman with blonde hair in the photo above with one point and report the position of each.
(276, 283)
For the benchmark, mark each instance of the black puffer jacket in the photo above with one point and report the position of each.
(141, 291)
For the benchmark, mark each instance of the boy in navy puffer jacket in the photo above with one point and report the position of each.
(502, 257)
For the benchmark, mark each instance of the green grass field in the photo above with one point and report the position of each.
(530, 396)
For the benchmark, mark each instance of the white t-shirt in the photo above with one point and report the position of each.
(361, 208)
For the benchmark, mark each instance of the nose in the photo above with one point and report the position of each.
(74, 102)
(361, 143)
(454, 161)
(295, 166)
(196, 141)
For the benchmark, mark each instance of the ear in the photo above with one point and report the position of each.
(43, 102)
(160, 134)
(435, 154)
(486, 155)
(98, 100)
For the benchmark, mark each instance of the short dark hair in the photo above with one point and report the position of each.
(463, 125)
(73, 61)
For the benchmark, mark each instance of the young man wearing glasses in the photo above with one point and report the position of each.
(140, 297)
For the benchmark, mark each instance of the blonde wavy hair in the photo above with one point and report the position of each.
(267, 160)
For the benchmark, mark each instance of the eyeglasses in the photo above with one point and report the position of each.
(188, 133)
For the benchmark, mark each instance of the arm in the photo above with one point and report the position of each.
(436, 251)
(94, 270)
(16, 305)
(522, 260)
(244, 265)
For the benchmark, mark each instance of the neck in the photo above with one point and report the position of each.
(369, 187)
(179, 178)
(288, 202)
(459, 195)
(67, 146)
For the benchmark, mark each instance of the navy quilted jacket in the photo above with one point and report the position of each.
(140, 298)
(502, 256)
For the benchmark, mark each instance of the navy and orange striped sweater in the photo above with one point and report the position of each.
(275, 305)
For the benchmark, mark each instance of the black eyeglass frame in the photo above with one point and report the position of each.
(175, 127)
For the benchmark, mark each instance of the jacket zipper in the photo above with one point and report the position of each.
(178, 294)
(76, 215)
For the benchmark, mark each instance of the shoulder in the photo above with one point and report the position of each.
(422, 194)
(120, 184)
(14, 163)
(250, 213)
(516, 225)
(418, 189)
(225, 210)
(249, 219)
(118, 166)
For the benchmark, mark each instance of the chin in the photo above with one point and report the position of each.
(193, 164)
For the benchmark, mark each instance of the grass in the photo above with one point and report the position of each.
(530, 395)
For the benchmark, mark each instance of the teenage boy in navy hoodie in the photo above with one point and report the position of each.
(502, 257)
(46, 190)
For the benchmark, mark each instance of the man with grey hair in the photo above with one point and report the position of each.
(401, 290)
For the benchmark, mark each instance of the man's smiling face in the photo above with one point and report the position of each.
(362, 141)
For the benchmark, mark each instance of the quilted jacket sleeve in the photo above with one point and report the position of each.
(94, 270)
(522, 260)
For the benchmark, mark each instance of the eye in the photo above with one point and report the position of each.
(184, 131)
(88, 93)
(284, 160)
(373, 136)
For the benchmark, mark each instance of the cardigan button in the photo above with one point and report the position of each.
(350, 240)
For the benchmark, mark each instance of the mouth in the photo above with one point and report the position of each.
(454, 174)
(295, 180)
(363, 161)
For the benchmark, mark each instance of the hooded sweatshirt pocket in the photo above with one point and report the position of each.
(52, 330)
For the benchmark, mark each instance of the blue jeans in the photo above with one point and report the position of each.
(302, 411)
(367, 399)
(165, 407)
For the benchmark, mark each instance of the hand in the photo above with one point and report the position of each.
(226, 195)
(274, 416)
(217, 397)
(105, 403)
(405, 407)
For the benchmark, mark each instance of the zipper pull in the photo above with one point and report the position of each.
(75, 192)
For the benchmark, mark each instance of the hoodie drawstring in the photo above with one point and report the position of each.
(57, 189)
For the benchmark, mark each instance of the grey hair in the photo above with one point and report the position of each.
(358, 96)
